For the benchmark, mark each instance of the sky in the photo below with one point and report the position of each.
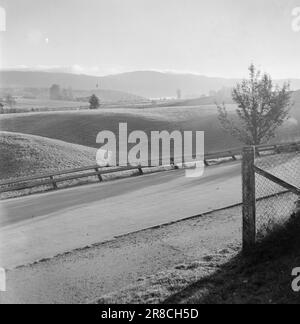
(214, 38)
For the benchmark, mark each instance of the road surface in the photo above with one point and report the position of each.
(42, 226)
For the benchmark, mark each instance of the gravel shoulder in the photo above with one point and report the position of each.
(84, 275)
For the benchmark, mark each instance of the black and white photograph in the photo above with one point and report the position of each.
(149, 155)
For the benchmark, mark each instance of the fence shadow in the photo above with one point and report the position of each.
(263, 276)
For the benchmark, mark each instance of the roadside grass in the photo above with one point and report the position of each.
(156, 288)
(263, 276)
(229, 276)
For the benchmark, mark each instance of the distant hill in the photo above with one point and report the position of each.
(142, 83)
(147, 84)
(212, 100)
(158, 85)
(203, 101)
(38, 83)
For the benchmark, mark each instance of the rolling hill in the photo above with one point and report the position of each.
(22, 155)
(148, 84)
(82, 127)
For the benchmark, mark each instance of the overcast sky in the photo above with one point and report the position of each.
(214, 38)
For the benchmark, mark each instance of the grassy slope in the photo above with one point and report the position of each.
(82, 127)
(264, 277)
(22, 155)
(226, 277)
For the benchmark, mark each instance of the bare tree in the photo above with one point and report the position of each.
(262, 108)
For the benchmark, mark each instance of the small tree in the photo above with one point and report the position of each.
(94, 102)
(55, 92)
(262, 108)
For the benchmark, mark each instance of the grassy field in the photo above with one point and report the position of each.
(26, 105)
(82, 127)
(22, 155)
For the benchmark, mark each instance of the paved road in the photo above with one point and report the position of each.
(41, 226)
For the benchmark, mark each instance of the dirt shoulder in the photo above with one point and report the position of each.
(84, 275)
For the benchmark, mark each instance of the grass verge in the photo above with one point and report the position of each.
(262, 277)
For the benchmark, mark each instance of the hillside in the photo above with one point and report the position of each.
(82, 127)
(22, 155)
(147, 84)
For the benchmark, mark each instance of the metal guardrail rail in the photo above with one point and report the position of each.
(53, 178)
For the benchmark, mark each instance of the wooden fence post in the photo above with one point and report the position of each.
(233, 156)
(173, 164)
(53, 183)
(140, 168)
(249, 199)
(99, 175)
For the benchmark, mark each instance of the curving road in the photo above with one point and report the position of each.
(42, 226)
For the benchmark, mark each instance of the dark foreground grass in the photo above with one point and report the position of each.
(263, 276)
(229, 276)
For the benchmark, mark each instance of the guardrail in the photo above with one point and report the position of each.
(54, 178)
(276, 148)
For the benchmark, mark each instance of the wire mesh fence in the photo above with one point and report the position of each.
(271, 191)
(274, 203)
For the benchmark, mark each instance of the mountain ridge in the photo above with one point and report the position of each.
(148, 84)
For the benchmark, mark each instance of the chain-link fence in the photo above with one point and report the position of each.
(274, 203)
(271, 183)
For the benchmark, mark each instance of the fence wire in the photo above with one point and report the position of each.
(275, 204)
